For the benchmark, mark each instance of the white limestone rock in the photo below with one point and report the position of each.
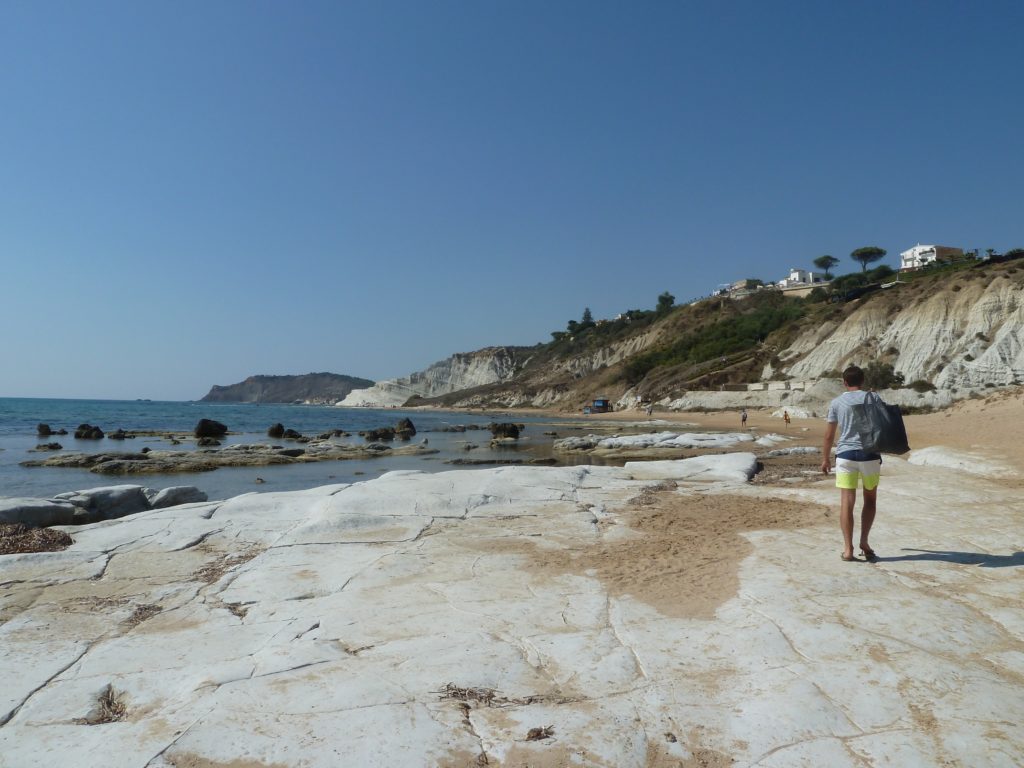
(109, 502)
(954, 339)
(653, 440)
(797, 450)
(174, 496)
(36, 512)
(321, 628)
(730, 467)
(961, 461)
(795, 413)
(458, 372)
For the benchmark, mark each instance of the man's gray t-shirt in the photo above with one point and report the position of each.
(839, 411)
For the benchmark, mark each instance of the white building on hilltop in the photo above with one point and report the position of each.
(921, 255)
(802, 277)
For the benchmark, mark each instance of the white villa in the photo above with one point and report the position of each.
(802, 277)
(920, 255)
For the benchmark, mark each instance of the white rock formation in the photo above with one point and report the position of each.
(322, 628)
(961, 461)
(654, 440)
(953, 339)
(458, 372)
(37, 512)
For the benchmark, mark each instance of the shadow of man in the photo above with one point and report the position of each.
(980, 559)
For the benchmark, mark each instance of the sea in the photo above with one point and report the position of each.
(248, 423)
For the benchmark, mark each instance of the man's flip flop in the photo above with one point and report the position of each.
(869, 555)
(848, 559)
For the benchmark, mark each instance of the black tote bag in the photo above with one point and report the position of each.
(880, 426)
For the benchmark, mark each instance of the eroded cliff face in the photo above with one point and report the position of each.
(966, 334)
(458, 372)
(959, 332)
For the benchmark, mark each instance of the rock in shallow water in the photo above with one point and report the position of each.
(210, 428)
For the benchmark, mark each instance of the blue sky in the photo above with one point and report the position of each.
(191, 192)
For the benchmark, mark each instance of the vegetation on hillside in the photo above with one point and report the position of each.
(747, 325)
(723, 340)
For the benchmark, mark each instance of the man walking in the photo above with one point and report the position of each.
(853, 464)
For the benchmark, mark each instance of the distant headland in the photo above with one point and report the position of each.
(313, 388)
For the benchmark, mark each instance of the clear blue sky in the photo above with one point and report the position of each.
(194, 192)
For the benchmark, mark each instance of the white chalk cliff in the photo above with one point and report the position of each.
(458, 372)
(956, 339)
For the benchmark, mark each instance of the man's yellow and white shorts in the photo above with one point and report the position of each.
(850, 471)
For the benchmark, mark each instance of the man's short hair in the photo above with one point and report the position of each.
(853, 377)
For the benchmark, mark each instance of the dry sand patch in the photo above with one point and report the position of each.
(685, 560)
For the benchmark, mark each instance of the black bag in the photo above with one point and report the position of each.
(880, 426)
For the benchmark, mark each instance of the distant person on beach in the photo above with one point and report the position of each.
(853, 464)
(785, 417)
(743, 417)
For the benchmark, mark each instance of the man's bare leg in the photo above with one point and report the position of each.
(847, 500)
(867, 517)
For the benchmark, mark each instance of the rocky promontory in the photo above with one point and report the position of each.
(316, 388)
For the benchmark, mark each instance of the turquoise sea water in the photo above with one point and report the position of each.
(249, 422)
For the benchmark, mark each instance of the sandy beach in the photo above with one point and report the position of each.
(663, 613)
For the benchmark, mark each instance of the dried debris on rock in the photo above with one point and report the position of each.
(111, 707)
(18, 538)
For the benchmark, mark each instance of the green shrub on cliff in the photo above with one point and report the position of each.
(759, 315)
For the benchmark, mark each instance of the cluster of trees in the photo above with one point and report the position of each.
(869, 254)
(666, 301)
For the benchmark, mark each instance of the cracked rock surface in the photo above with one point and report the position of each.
(410, 620)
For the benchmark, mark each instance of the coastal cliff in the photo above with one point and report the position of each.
(950, 334)
(459, 372)
(965, 335)
(317, 388)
